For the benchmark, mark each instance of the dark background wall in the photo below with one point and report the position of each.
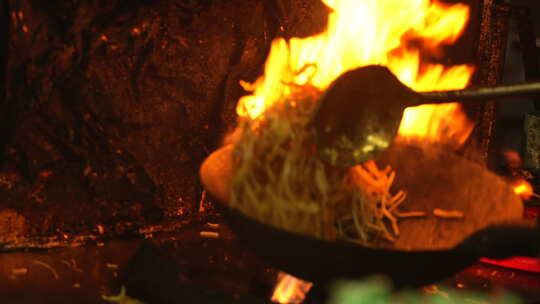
(520, 66)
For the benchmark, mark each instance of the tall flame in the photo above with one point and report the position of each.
(394, 33)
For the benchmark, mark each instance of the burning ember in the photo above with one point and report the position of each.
(290, 290)
(524, 189)
(381, 32)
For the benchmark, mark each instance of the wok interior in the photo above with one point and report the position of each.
(435, 178)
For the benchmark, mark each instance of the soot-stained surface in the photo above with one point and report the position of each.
(111, 106)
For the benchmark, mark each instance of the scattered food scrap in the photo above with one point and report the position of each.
(49, 267)
(112, 266)
(209, 234)
(121, 298)
(19, 271)
(448, 214)
(212, 225)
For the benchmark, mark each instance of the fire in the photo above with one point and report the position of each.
(290, 290)
(393, 33)
(524, 189)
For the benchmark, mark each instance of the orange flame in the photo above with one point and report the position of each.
(393, 33)
(524, 189)
(290, 290)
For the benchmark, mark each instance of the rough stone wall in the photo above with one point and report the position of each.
(111, 106)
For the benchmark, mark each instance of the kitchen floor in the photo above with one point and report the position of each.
(200, 264)
(184, 267)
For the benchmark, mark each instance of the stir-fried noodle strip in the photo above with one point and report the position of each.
(280, 180)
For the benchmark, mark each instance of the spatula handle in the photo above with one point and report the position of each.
(516, 90)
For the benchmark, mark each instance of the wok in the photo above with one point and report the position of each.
(427, 251)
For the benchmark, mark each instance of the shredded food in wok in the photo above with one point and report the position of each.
(279, 180)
